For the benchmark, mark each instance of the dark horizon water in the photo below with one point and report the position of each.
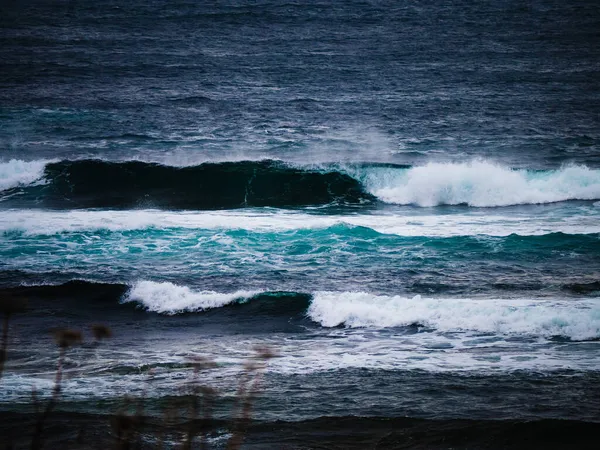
(402, 198)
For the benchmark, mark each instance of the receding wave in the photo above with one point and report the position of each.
(221, 185)
(133, 184)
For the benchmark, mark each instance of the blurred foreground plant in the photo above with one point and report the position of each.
(65, 339)
(247, 391)
(202, 398)
(8, 306)
(196, 404)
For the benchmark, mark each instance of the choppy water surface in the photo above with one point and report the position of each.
(402, 200)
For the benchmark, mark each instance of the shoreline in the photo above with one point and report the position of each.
(92, 431)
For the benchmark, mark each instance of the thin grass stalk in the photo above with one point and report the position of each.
(4, 345)
(198, 404)
(65, 339)
(245, 416)
(246, 394)
(191, 431)
(207, 408)
(9, 306)
(37, 441)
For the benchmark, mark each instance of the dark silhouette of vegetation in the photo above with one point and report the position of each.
(8, 307)
(190, 429)
(201, 400)
(101, 332)
(64, 339)
(247, 391)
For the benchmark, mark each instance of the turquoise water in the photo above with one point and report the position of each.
(385, 193)
(352, 256)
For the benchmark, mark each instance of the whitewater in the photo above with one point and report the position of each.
(577, 320)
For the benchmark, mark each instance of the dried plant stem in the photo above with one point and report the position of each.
(197, 404)
(248, 388)
(9, 306)
(191, 431)
(4, 345)
(37, 441)
(128, 427)
(207, 408)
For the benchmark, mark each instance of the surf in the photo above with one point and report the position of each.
(573, 319)
(94, 183)
(480, 184)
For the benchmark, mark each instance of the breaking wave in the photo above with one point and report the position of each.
(169, 298)
(15, 173)
(575, 319)
(222, 185)
(481, 184)
(133, 184)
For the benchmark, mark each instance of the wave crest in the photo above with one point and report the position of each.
(169, 298)
(133, 184)
(576, 319)
(16, 172)
(222, 185)
(480, 184)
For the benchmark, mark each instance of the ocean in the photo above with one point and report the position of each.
(400, 199)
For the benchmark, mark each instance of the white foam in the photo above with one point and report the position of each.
(169, 298)
(480, 183)
(17, 172)
(42, 222)
(576, 319)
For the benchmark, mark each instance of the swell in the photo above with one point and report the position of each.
(83, 293)
(353, 432)
(134, 184)
(222, 185)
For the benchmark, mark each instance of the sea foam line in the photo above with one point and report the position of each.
(41, 222)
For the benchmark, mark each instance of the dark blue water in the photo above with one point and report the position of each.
(382, 191)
